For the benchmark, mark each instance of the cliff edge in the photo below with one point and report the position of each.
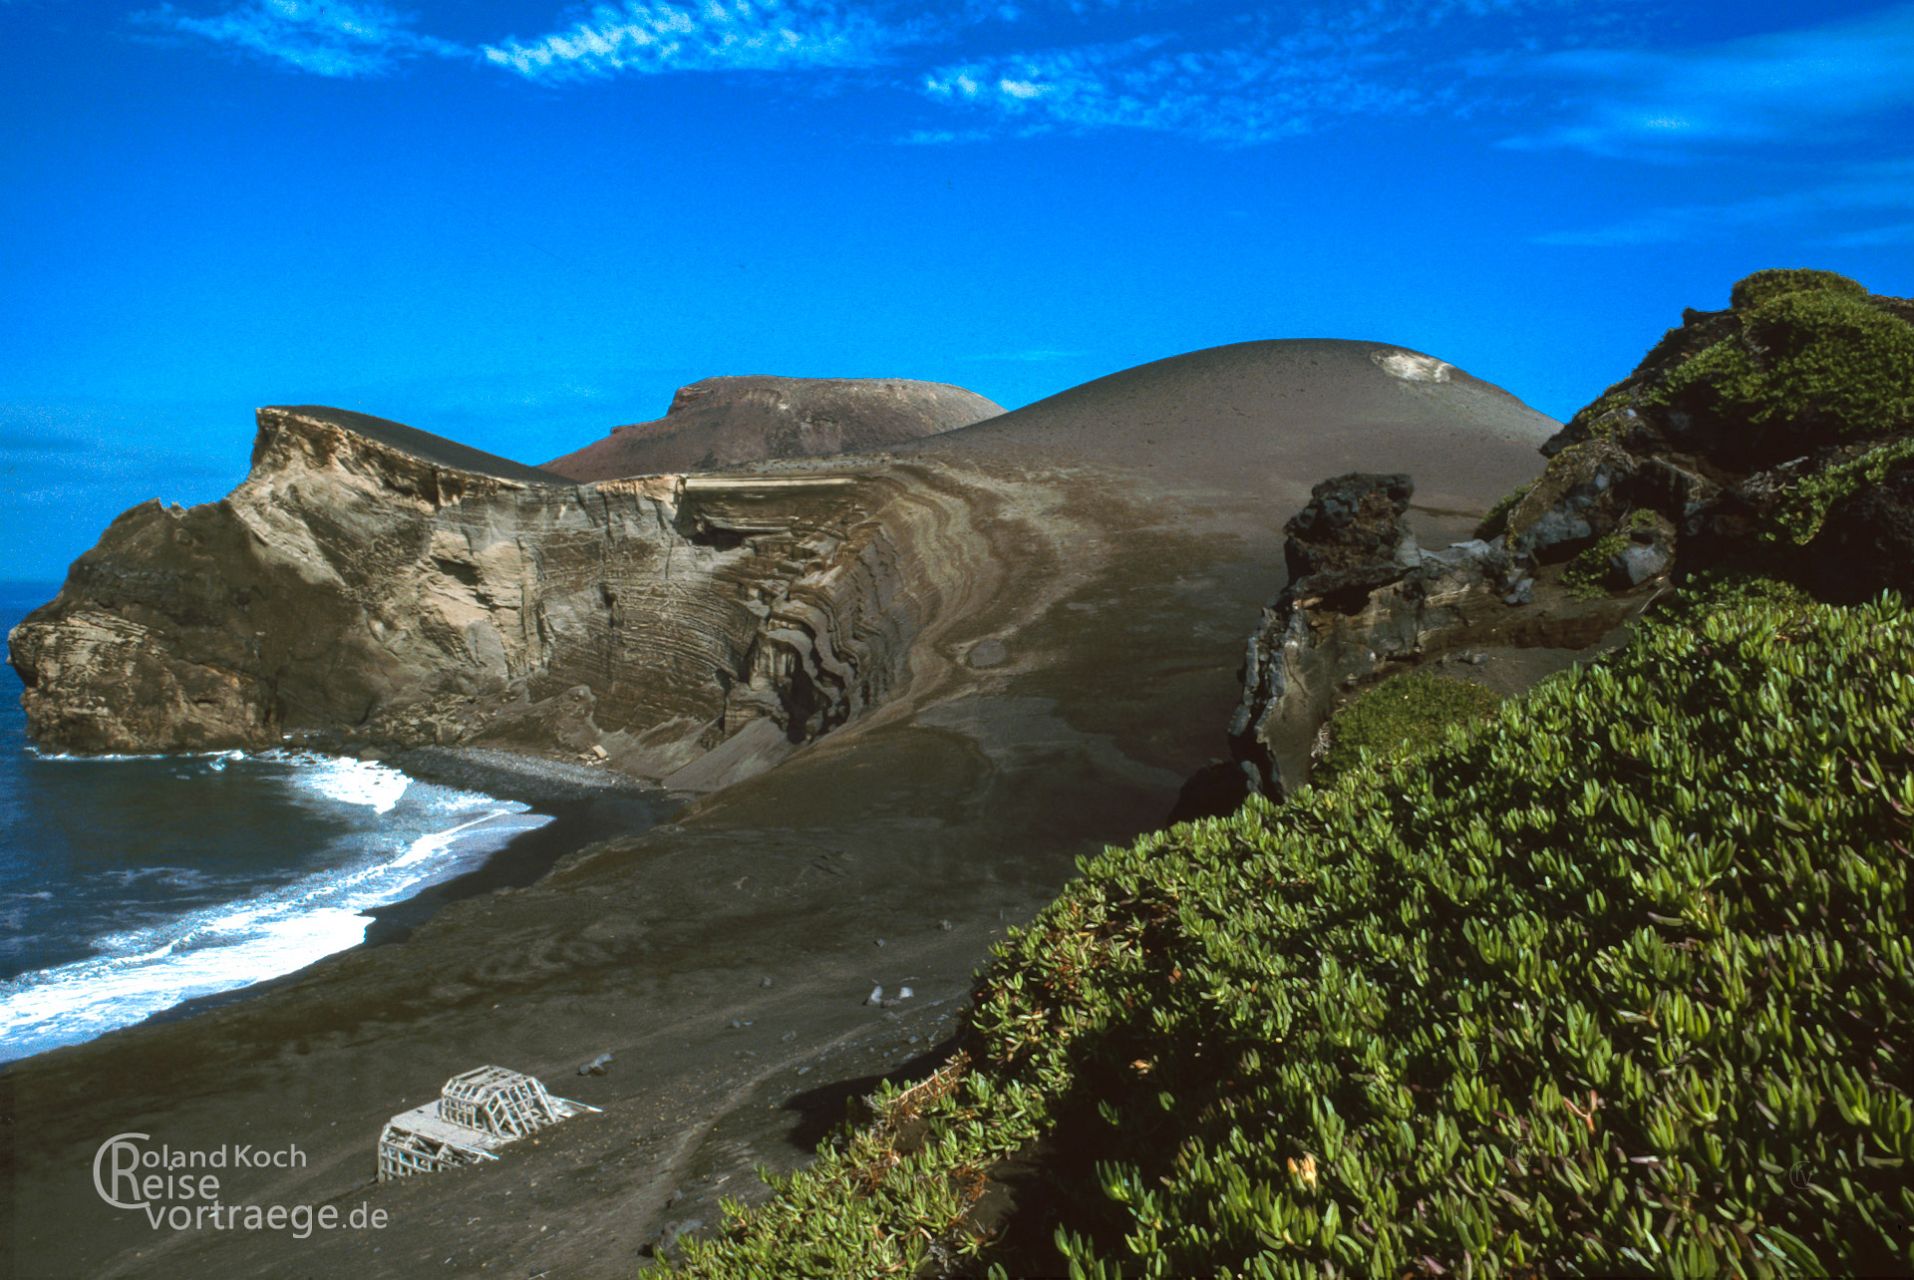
(372, 582)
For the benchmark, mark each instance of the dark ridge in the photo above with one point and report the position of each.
(424, 445)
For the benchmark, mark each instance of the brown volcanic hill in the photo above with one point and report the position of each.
(726, 422)
(1273, 417)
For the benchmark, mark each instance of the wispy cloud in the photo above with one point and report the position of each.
(717, 35)
(322, 37)
(1782, 87)
(1864, 192)
(945, 137)
(1244, 79)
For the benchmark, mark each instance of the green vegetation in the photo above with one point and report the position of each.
(1619, 981)
(1802, 512)
(1587, 574)
(1496, 522)
(1712, 591)
(1398, 717)
(1764, 286)
(1825, 360)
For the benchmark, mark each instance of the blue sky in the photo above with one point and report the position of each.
(521, 223)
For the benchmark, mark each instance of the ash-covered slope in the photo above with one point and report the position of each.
(730, 422)
(1255, 413)
(410, 441)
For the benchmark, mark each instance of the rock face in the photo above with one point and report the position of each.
(377, 582)
(1744, 429)
(1365, 601)
(1351, 536)
(728, 422)
(1866, 542)
(1731, 448)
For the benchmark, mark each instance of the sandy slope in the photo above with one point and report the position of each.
(1090, 567)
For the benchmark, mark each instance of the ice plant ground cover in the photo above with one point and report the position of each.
(1617, 979)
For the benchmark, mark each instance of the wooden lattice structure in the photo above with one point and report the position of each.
(475, 1114)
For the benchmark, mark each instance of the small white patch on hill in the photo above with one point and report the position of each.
(1411, 367)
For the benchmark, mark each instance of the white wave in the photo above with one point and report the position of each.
(113, 757)
(348, 781)
(144, 971)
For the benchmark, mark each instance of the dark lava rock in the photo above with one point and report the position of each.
(1216, 790)
(1352, 523)
(1866, 542)
(1581, 496)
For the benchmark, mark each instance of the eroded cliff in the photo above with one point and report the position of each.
(385, 585)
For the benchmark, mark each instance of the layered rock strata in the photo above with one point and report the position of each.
(384, 585)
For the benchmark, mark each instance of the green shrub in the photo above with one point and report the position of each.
(1822, 361)
(1802, 512)
(1399, 716)
(1713, 591)
(1587, 574)
(1763, 286)
(1496, 522)
(1620, 982)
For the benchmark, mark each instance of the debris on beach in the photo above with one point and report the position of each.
(475, 1114)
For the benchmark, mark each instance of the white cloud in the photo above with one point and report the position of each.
(323, 37)
(718, 35)
(1789, 86)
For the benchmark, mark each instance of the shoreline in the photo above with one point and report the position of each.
(585, 806)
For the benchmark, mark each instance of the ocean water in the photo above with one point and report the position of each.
(129, 885)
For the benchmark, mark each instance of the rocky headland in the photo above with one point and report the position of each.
(1769, 438)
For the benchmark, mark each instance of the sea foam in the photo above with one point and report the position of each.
(423, 834)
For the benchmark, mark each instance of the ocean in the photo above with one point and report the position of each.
(129, 885)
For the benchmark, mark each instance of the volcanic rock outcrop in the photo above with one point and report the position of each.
(729, 422)
(1365, 601)
(376, 582)
(1775, 438)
